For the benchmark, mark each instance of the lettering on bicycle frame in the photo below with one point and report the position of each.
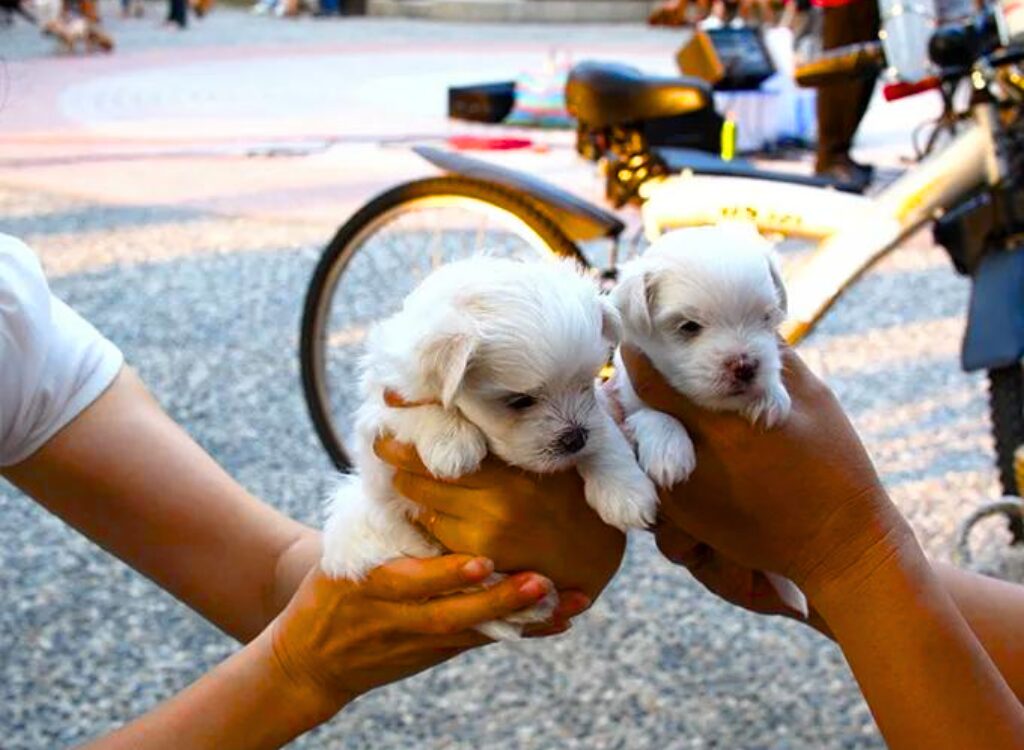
(761, 217)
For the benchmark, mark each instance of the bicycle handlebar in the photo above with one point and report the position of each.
(954, 49)
(841, 64)
(1011, 56)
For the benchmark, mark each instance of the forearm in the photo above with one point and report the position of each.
(245, 703)
(994, 610)
(125, 475)
(926, 677)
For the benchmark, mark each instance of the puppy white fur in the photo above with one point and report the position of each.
(703, 304)
(503, 355)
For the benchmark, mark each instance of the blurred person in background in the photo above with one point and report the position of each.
(328, 9)
(74, 24)
(842, 106)
(177, 14)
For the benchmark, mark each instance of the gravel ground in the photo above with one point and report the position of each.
(207, 309)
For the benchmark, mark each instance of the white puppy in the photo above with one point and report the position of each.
(502, 356)
(703, 304)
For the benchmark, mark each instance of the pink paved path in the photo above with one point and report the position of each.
(173, 124)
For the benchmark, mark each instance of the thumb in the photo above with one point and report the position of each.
(651, 386)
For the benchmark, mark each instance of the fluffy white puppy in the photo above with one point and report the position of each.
(501, 357)
(703, 304)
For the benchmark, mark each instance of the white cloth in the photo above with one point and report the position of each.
(779, 109)
(53, 363)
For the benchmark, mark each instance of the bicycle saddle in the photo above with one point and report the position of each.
(602, 94)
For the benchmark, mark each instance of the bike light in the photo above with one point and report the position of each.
(901, 89)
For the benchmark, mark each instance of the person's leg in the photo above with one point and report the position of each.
(178, 13)
(328, 8)
(841, 107)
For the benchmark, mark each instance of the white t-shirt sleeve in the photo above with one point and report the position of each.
(53, 363)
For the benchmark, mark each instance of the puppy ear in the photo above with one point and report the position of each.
(635, 298)
(445, 360)
(611, 321)
(780, 286)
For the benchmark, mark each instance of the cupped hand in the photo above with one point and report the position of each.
(337, 639)
(521, 521)
(802, 500)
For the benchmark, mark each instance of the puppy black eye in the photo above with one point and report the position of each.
(520, 401)
(690, 328)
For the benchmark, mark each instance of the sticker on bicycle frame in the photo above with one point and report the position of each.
(914, 201)
(759, 217)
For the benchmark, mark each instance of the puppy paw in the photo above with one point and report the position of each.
(499, 630)
(511, 628)
(773, 408)
(664, 448)
(625, 500)
(453, 451)
(539, 612)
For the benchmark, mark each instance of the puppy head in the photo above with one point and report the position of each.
(704, 304)
(515, 347)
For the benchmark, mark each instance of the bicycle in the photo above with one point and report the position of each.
(969, 187)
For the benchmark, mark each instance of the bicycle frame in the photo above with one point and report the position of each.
(852, 231)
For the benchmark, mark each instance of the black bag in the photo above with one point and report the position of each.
(484, 102)
(729, 59)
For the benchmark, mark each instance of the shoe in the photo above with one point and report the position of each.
(847, 172)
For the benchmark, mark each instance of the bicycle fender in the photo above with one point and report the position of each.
(995, 322)
(580, 220)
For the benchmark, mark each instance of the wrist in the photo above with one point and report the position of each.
(859, 536)
(294, 561)
(309, 704)
(884, 570)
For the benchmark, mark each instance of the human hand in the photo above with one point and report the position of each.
(338, 639)
(753, 590)
(802, 500)
(521, 521)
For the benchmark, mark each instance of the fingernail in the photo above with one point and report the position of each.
(535, 587)
(579, 603)
(478, 567)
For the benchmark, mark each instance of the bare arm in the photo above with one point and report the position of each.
(125, 475)
(334, 641)
(245, 702)
(924, 673)
(803, 500)
(993, 609)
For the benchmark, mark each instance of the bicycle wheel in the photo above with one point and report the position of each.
(378, 257)
(1006, 400)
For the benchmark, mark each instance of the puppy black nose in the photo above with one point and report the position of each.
(742, 368)
(572, 440)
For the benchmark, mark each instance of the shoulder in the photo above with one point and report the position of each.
(24, 296)
(53, 363)
(18, 260)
